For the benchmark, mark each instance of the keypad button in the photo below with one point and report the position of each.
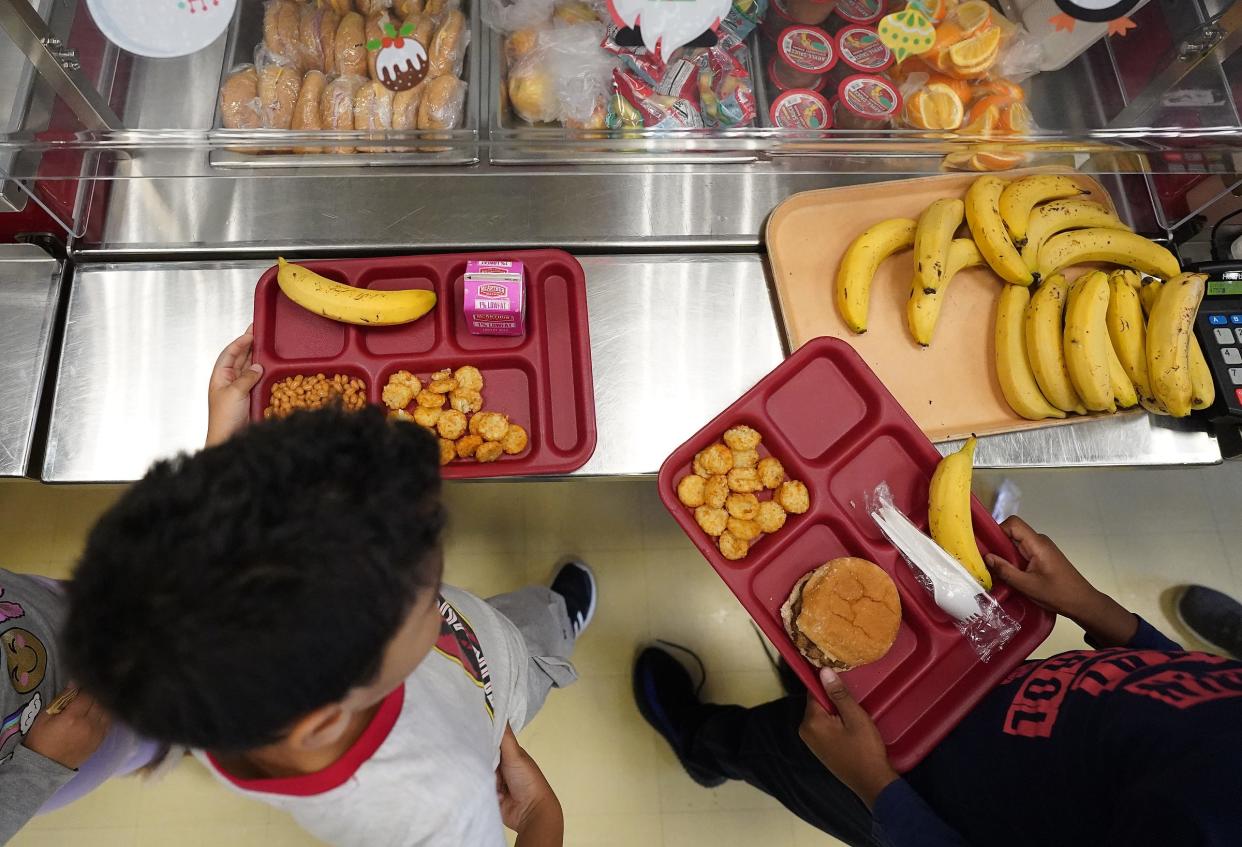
(1223, 336)
(1235, 376)
(1218, 320)
(1236, 320)
(1232, 355)
(1237, 333)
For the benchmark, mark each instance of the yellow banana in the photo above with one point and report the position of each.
(1045, 345)
(1013, 368)
(1049, 219)
(1128, 331)
(983, 216)
(1023, 195)
(1203, 388)
(923, 309)
(1086, 341)
(948, 511)
(931, 242)
(1114, 246)
(348, 304)
(1125, 394)
(1169, 332)
(859, 264)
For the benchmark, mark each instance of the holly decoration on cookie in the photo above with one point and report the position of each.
(401, 62)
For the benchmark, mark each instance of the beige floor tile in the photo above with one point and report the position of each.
(85, 504)
(679, 793)
(26, 526)
(283, 831)
(744, 688)
(1060, 501)
(1222, 487)
(641, 830)
(485, 517)
(660, 531)
(485, 573)
(570, 516)
(690, 605)
(95, 837)
(805, 835)
(1150, 500)
(620, 624)
(1148, 566)
(595, 749)
(189, 796)
(114, 804)
(729, 829)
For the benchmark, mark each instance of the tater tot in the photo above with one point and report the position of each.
(443, 385)
(690, 490)
(745, 458)
(744, 480)
(406, 378)
(732, 547)
(744, 506)
(429, 399)
(745, 530)
(400, 415)
(712, 521)
(467, 445)
(466, 402)
(468, 378)
(742, 437)
(793, 497)
(426, 416)
(771, 516)
(515, 440)
(698, 468)
(451, 425)
(771, 473)
(396, 396)
(448, 451)
(717, 459)
(715, 491)
(492, 425)
(474, 424)
(488, 451)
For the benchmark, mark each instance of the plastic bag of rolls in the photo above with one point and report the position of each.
(313, 71)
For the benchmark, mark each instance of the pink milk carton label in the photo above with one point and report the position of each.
(495, 297)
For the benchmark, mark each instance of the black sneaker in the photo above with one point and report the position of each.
(575, 582)
(1212, 617)
(665, 694)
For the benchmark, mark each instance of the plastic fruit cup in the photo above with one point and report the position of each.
(865, 101)
(859, 51)
(804, 54)
(813, 12)
(800, 109)
(776, 21)
(861, 11)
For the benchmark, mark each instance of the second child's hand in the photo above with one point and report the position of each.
(233, 377)
(1054, 583)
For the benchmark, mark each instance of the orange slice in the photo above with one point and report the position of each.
(1002, 87)
(976, 55)
(960, 86)
(935, 106)
(1017, 119)
(982, 122)
(973, 15)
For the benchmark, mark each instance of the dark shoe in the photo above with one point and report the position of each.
(576, 583)
(1212, 617)
(666, 695)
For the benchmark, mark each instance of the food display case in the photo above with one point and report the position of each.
(174, 214)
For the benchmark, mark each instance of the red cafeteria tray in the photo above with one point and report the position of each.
(542, 380)
(834, 426)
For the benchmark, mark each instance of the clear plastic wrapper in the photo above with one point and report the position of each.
(637, 104)
(442, 104)
(370, 7)
(336, 106)
(306, 115)
(438, 10)
(279, 81)
(447, 52)
(981, 620)
(510, 16)
(743, 17)
(560, 75)
(351, 45)
(726, 91)
(329, 22)
(373, 111)
(310, 47)
(239, 99)
(282, 25)
(405, 107)
(406, 9)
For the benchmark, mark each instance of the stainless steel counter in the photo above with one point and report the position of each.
(30, 282)
(674, 340)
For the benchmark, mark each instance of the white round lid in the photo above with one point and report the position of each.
(162, 29)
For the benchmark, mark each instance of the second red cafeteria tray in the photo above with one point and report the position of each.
(833, 425)
(542, 380)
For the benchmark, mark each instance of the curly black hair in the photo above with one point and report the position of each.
(232, 591)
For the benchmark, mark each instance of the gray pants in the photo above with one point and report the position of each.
(539, 614)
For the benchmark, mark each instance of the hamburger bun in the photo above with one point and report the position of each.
(843, 614)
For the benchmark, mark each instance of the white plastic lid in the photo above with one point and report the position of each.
(162, 30)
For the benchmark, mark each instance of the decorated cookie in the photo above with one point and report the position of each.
(907, 33)
(401, 62)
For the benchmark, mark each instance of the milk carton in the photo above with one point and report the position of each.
(495, 297)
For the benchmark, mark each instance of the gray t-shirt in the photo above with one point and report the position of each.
(32, 610)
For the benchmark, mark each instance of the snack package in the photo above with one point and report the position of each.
(726, 94)
(306, 116)
(980, 619)
(282, 26)
(373, 110)
(350, 45)
(239, 99)
(447, 52)
(336, 106)
(560, 74)
(742, 19)
(636, 103)
(280, 80)
(405, 107)
(443, 103)
(310, 47)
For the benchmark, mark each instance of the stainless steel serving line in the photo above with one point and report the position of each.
(30, 284)
(674, 340)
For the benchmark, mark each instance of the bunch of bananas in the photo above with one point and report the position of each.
(1060, 348)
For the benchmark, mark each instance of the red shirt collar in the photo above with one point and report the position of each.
(337, 773)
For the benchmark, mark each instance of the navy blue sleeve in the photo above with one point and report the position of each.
(903, 819)
(1146, 637)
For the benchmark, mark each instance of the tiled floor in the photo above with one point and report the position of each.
(1135, 533)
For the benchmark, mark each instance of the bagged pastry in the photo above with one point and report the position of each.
(341, 7)
(448, 47)
(306, 116)
(279, 84)
(373, 111)
(370, 7)
(443, 103)
(351, 46)
(329, 22)
(336, 106)
(239, 99)
(374, 31)
(438, 10)
(406, 9)
(282, 24)
(405, 107)
(310, 47)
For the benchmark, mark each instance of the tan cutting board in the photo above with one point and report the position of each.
(949, 388)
